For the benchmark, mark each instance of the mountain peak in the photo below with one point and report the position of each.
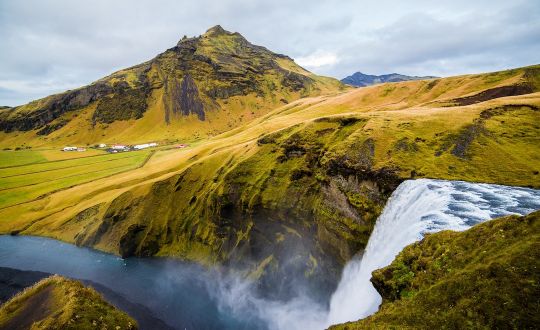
(214, 33)
(216, 30)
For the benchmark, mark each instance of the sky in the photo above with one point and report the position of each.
(51, 46)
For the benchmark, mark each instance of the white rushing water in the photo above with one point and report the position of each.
(415, 208)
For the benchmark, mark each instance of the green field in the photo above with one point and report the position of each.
(28, 175)
(15, 158)
(10, 158)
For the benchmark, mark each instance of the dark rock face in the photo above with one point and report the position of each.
(49, 128)
(360, 79)
(124, 105)
(494, 93)
(129, 242)
(190, 102)
(53, 107)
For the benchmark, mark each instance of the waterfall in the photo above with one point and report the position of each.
(415, 208)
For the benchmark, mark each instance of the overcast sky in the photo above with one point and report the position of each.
(50, 46)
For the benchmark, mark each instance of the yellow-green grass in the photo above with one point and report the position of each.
(9, 158)
(15, 158)
(59, 303)
(73, 163)
(21, 184)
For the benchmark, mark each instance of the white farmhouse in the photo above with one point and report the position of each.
(69, 149)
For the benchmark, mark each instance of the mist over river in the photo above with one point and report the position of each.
(188, 296)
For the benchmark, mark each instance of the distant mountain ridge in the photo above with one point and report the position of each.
(360, 79)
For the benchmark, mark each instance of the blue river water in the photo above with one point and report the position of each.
(179, 293)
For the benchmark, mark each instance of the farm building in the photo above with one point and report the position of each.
(145, 145)
(69, 149)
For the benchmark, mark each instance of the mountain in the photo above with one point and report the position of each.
(203, 86)
(360, 79)
(482, 278)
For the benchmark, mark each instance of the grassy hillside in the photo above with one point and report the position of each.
(310, 176)
(484, 278)
(203, 86)
(59, 303)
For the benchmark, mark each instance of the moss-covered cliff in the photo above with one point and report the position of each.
(483, 278)
(59, 303)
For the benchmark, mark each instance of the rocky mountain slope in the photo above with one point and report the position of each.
(59, 303)
(297, 190)
(360, 79)
(483, 278)
(201, 87)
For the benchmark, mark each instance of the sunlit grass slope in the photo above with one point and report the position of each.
(310, 176)
(484, 278)
(59, 303)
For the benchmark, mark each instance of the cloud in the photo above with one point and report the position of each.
(65, 44)
(318, 59)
